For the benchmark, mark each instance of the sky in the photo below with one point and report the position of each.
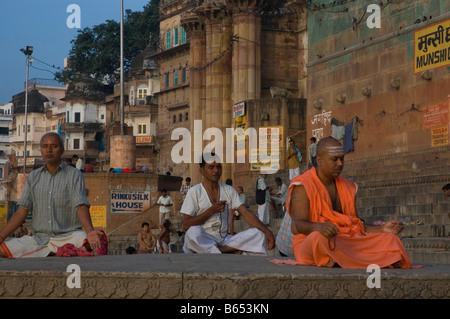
(43, 24)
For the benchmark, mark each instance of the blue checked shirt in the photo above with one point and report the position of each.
(54, 201)
(285, 236)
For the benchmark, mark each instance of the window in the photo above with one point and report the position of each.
(175, 77)
(180, 117)
(142, 93)
(167, 80)
(186, 116)
(183, 35)
(183, 75)
(132, 96)
(77, 117)
(175, 36)
(168, 41)
(142, 129)
(174, 119)
(76, 143)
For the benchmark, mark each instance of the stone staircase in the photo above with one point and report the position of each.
(408, 187)
(117, 244)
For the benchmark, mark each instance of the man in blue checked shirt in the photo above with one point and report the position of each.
(56, 195)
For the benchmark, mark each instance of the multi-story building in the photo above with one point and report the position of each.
(5, 127)
(35, 124)
(141, 107)
(173, 98)
(39, 119)
(85, 119)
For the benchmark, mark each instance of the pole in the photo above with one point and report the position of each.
(26, 119)
(121, 71)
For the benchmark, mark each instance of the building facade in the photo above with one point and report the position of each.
(216, 56)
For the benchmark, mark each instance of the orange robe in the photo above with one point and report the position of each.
(352, 247)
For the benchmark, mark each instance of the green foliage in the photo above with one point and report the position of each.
(95, 52)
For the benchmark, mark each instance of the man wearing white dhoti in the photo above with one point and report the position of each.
(207, 215)
(263, 209)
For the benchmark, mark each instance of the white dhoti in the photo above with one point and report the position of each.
(263, 213)
(27, 246)
(251, 241)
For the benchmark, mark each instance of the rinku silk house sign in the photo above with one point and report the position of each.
(129, 201)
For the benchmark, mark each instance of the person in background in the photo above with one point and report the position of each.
(164, 237)
(278, 197)
(263, 208)
(165, 206)
(147, 241)
(79, 164)
(312, 152)
(185, 188)
(88, 167)
(293, 156)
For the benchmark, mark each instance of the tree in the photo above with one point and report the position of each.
(95, 52)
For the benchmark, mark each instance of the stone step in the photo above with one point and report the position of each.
(393, 196)
(228, 278)
(398, 171)
(427, 243)
(424, 243)
(412, 160)
(426, 256)
(428, 249)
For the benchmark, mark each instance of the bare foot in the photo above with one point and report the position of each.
(331, 263)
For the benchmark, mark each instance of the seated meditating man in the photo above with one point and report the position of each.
(207, 215)
(56, 194)
(327, 231)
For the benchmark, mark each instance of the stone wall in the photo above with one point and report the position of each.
(100, 185)
(355, 72)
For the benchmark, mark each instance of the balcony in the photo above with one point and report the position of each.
(82, 127)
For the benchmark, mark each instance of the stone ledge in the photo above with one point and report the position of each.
(179, 276)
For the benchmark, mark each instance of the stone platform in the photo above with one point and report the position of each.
(180, 276)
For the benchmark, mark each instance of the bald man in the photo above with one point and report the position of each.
(327, 231)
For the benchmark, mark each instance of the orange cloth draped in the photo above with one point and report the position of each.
(352, 247)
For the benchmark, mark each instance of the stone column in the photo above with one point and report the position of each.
(20, 184)
(195, 31)
(247, 55)
(122, 151)
(218, 77)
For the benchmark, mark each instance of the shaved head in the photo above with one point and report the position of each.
(329, 145)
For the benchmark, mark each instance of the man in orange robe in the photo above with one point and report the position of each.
(327, 231)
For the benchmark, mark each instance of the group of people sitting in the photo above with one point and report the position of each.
(324, 227)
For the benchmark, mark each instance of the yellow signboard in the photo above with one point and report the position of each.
(268, 156)
(432, 46)
(3, 214)
(143, 139)
(439, 136)
(98, 216)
